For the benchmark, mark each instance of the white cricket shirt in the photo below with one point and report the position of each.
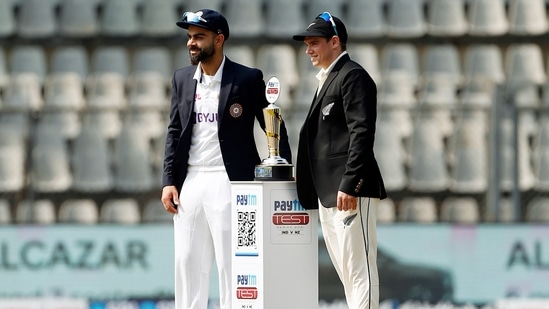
(205, 150)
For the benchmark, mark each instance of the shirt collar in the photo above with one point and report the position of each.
(217, 77)
(324, 72)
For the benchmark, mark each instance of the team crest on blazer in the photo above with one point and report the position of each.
(235, 110)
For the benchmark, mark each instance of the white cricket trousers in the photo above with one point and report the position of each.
(351, 242)
(202, 232)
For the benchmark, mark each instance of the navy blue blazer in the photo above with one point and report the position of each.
(335, 148)
(241, 100)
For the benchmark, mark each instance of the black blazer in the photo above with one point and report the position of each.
(336, 141)
(241, 100)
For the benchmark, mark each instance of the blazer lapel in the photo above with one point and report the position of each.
(188, 93)
(226, 86)
(329, 79)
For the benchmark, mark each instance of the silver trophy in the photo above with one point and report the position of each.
(274, 167)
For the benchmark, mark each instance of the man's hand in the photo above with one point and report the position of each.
(170, 199)
(345, 201)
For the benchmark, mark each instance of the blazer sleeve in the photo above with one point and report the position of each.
(172, 137)
(359, 103)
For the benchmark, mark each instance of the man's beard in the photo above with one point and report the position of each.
(204, 54)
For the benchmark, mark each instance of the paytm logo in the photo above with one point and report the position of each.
(246, 199)
(294, 205)
(246, 280)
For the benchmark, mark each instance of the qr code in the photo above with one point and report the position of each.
(246, 229)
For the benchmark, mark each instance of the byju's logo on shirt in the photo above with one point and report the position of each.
(205, 117)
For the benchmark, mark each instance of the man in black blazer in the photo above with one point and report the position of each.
(209, 142)
(335, 164)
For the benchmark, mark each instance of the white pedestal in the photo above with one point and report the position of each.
(274, 247)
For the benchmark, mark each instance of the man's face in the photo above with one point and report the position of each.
(201, 44)
(321, 50)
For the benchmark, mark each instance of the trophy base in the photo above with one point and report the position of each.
(278, 172)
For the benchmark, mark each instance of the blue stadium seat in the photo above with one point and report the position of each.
(334, 7)
(483, 61)
(405, 19)
(461, 210)
(537, 210)
(4, 74)
(132, 161)
(120, 211)
(428, 170)
(527, 17)
(401, 60)
(65, 122)
(40, 211)
(159, 17)
(241, 53)
(524, 63)
(418, 210)
(23, 93)
(507, 153)
(389, 151)
(28, 59)
(5, 212)
(195, 5)
(37, 19)
(155, 59)
(64, 91)
(78, 211)
(110, 59)
(487, 18)
(70, 59)
(50, 163)
(145, 119)
(245, 17)
(147, 91)
(12, 158)
(285, 18)
(106, 121)
(365, 19)
(540, 153)
(120, 18)
(439, 97)
(442, 62)
(469, 151)
(90, 161)
(386, 211)
(7, 18)
(446, 18)
(79, 18)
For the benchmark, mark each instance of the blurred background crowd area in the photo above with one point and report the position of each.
(462, 128)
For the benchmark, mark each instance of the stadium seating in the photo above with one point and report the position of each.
(405, 19)
(463, 210)
(37, 19)
(158, 17)
(365, 19)
(487, 18)
(446, 18)
(120, 211)
(40, 211)
(418, 210)
(5, 212)
(78, 211)
(78, 18)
